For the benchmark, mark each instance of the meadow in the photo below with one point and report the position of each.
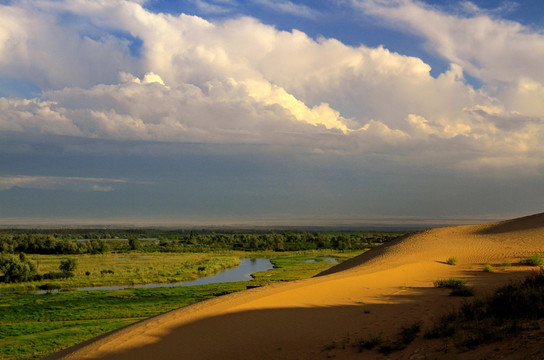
(34, 325)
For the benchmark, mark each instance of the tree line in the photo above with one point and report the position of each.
(15, 242)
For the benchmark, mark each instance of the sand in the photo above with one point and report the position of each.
(374, 293)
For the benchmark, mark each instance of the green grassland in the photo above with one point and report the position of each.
(128, 268)
(35, 325)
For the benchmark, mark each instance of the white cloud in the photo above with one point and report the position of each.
(241, 81)
(491, 49)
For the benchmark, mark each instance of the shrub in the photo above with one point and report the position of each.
(49, 287)
(452, 283)
(505, 265)
(408, 333)
(508, 311)
(462, 291)
(369, 343)
(445, 327)
(52, 275)
(488, 267)
(535, 260)
(68, 265)
(16, 269)
(452, 261)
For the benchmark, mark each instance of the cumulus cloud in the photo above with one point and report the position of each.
(241, 81)
(492, 49)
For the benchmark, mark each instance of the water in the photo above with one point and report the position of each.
(240, 273)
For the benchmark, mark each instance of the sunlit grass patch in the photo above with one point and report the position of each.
(534, 260)
(452, 261)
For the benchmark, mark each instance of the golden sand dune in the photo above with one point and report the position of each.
(374, 293)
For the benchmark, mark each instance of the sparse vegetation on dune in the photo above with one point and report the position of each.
(488, 267)
(534, 260)
(452, 261)
(512, 308)
(452, 283)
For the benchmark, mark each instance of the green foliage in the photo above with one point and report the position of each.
(68, 265)
(452, 261)
(62, 241)
(302, 264)
(452, 283)
(488, 268)
(16, 268)
(535, 260)
(134, 243)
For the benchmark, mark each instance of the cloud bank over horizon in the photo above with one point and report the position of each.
(115, 71)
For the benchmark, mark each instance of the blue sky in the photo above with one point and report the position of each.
(270, 112)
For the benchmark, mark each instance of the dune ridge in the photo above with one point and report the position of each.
(373, 293)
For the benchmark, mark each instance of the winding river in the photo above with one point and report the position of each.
(242, 272)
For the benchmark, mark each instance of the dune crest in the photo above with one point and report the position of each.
(373, 293)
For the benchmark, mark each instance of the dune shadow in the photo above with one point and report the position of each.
(520, 224)
(282, 333)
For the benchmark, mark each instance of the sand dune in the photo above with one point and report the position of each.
(371, 294)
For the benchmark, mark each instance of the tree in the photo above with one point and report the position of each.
(68, 266)
(16, 269)
(134, 243)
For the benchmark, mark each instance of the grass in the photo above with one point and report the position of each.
(488, 267)
(35, 325)
(129, 268)
(295, 266)
(452, 261)
(535, 260)
(452, 283)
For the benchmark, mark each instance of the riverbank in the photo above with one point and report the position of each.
(34, 325)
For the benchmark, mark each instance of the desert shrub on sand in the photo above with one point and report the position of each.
(406, 335)
(452, 283)
(535, 260)
(452, 261)
(512, 308)
(488, 267)
(369, 343)
(462, 291)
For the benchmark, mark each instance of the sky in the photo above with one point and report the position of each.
(270, 112)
